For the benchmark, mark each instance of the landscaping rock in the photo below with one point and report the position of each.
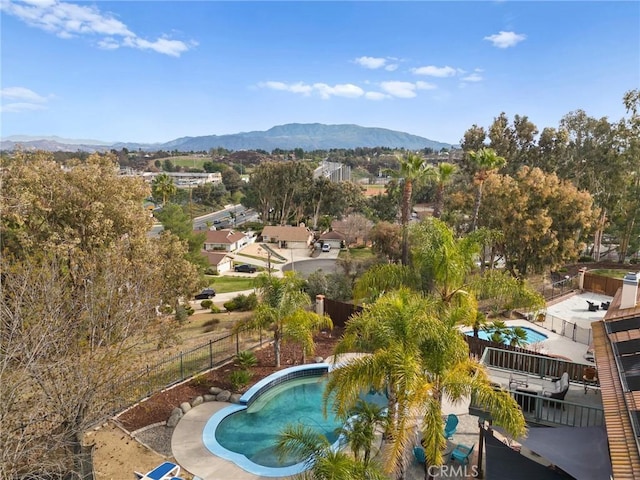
(176, 415)
(197, 401)
(209, 398)
(319, 359)
(223, 396)
(235, 398)
(185, 407)
(215, 390)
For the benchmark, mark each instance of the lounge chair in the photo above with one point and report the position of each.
(451, 426)
(418, 452)
(461, 453)
(592, 306)
(560, 389)
(164, 471)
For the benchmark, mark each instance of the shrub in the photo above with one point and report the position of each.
(181, 314)
(211, 271)
(585, 259)
(242, 303)
(246, 359)
(215, 308)
(239, 379)
(210, 325)
(206, 303)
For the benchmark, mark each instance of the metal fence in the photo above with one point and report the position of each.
(560, 287)
(566, 329)
(159, 376)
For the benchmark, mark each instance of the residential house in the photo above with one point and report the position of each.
(224, 240)
(288, 236)
(219, 261)
(333, 238)
(616, 345)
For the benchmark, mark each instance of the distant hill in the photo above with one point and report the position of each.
(311, 136)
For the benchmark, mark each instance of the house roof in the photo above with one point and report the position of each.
(222, 236)
(332, 235)
(616, 343)
(216, 258)
(286, 233)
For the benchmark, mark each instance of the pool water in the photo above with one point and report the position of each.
(253, 432)
(533, 336)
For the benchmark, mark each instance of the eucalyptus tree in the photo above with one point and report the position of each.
(418, 358)
(284, 309)
(484, 162)
(412, 171)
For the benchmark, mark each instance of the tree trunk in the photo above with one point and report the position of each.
(82, 458)
(406, 206)
(276, 351)
(476, 209)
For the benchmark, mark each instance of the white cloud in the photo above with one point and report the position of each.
(474, 77)
(505, 39)
(68, 20)
(425, 86)
(21, 99)
(391, 67)
(399, 89)
(376, 96)
(371, 62)
(433, 71)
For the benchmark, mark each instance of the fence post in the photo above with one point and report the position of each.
(181, 367)
(210, 354)
(237, 343)
(148, 381)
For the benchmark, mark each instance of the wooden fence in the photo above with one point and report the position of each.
(340, 312)
(600, 284)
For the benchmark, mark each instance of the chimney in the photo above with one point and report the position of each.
(629, 295)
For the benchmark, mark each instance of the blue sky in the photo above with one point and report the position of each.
(153, 71)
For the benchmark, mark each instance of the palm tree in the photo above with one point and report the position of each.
(412, 171)
(484, 161)
(163, 187)
(323, 462)
(283, 310)
(360, 430)
(442, 175)
(419, 358)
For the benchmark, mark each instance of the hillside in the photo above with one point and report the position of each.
(312, 136)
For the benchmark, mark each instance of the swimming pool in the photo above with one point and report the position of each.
(246, 434)
(533, 336)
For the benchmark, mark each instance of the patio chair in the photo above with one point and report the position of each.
(418, 452)
(592, 306)
(461, 453)
(451, 426)
(561, 387)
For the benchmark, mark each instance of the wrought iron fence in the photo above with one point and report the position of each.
(560, 287)
(563, 327)
(159, 376)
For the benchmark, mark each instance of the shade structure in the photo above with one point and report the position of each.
(582, 452)
(504, 463)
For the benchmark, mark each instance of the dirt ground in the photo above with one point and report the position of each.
(117, 455)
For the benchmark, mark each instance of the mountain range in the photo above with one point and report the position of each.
(309, 136)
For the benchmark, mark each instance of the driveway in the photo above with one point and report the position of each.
(307, 267)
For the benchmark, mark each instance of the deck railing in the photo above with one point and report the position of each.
(546, 411)
(531, 364)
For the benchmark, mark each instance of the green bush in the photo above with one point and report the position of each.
(585, 259)
(242, 303)
(215, 308)
(239, 379)
(211, 271)
(206, 303)
(181, 314)
(246, 359)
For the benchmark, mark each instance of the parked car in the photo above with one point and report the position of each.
(245, 268)
(206, 294)
(326, 247)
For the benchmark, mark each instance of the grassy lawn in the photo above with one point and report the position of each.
(358, 253)
(188, 161)
(605, 272)
(261, 258)
(226, 283)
